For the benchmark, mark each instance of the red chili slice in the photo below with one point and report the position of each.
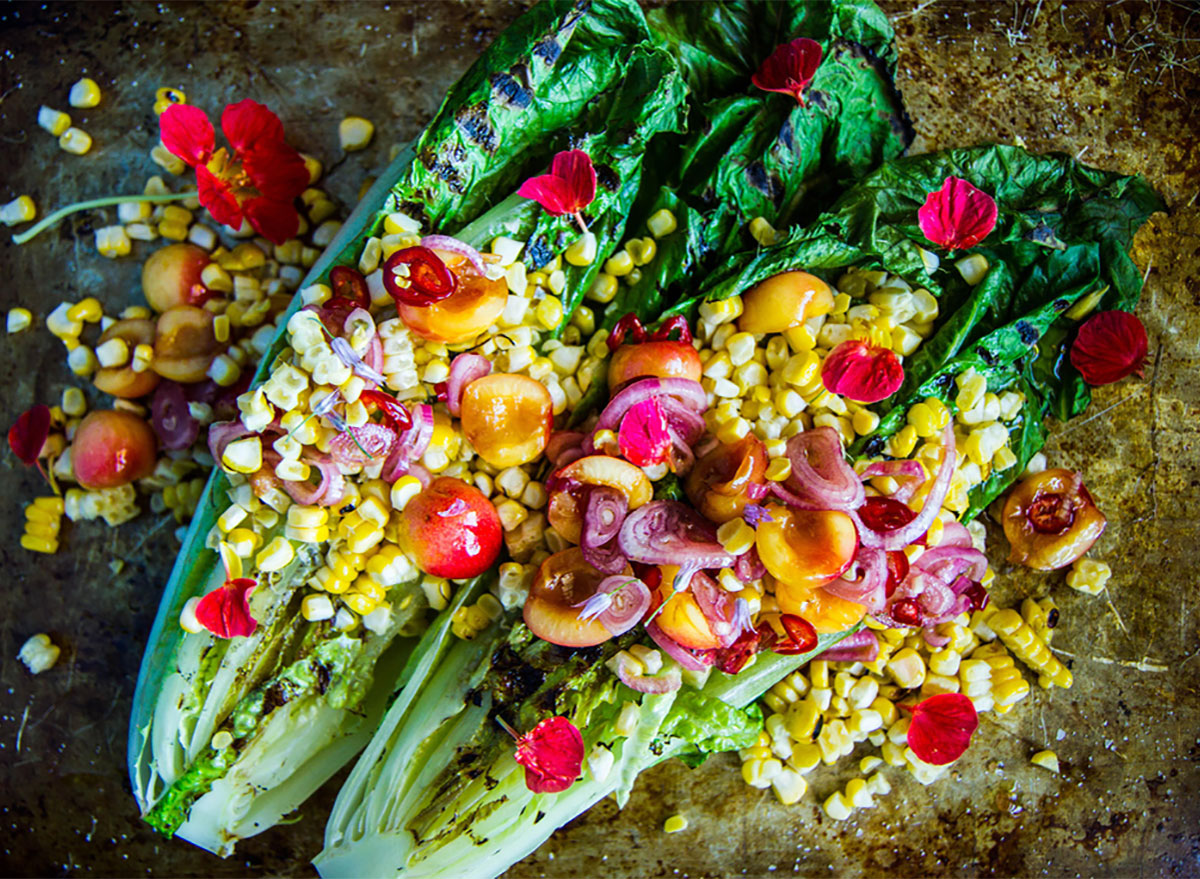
(885, 514)
(349, 284)
(397, 417)
(676, 324)
(628, 325)
(429, 280)
(802, 637)
(897, 568)
(907, 612)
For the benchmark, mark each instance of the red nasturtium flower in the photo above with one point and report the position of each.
(1110, 346)
(552, 754)
(28, 435)
(226, 610)
(258, 182)
(942, 727)
(790, 68)
(567, 189)
(644, 438)
(861, 371)
(957, 216)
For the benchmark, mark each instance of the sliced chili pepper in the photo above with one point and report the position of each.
(394, 413)
(678, 324)
(733, 659)
(977, 597)
(349, 284)
(441, 391)
(629, 325)
(885, 514)
(897, 568)
(28, 435)
(907, 612)
(429, 280)
(802, 637)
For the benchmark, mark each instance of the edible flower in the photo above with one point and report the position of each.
(258, 182)
(942, 727)
(860, 371)
(349, 357)
(644, 437)
(756, 514)
(790, 68)
(567, 189)
(226, 610)
(552, 754)
(743, 620)
(1110, 346)
(28, 435)
(957, 216)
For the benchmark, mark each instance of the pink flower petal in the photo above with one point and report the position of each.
(248, 124)
(958, 216)
(790, 68)
(215, 194)
(862, 372)
(942, 727)
(226, 610)
(568, 188)
(643, 437)
(275, 220)
(186, 132)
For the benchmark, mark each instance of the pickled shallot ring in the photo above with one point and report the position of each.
(464, 369)
(689, 392)
(820, 479)
(667, 681)
(671, 533)
(674, 649)
(349, 284)
(453, 245)
(906, 534)
(860, 646)
(618, 604)
(428, 279)
(868, 589)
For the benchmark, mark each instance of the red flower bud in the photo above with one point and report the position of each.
(862, 372)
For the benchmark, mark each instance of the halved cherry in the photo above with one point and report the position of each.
(569, 486)
(824, 611)
(806, 548)
(112, 447)
(122, 381)
(665, 359)
(184, 345)
(473, 306)
(1050, 520)
(171, 276)
(451, 530)
(564, 581)
(507, 418)
(681, 619)
(719, 482)
(784, 301)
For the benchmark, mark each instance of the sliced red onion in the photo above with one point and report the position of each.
(453, 245)
(671, 533)
(688, 658)
(690, 396)
(464, 369)
(933, 639)
(561, 442)
(628, 670)
(415, 440)
(906, 534)
(862, 646)
(936, 598)
(619, 603)
(604, 511)
(170, 417)
(716, 604)
(222, 433)
(682, 419)
(361, 445)
(749, 566)
(329, 492)
(911, 474)
(756, 491)
(868, 588)
(606, 558)
(955, 534)
(821, 479)
(947, 563)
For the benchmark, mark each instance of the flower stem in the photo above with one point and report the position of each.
(579, 219)
(62, 213)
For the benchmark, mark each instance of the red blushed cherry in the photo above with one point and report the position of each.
(171, 276)
(451, 530)
(1050, 520)
(657, 358)
(112, 447)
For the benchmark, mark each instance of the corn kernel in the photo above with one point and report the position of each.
(618, 265)
(582, 251)
(907, 668)
(20, 210)
(84, 94)
(275, 555)
(243, 455)
(736, 536)
(972, 268)
(603, 289)
(1046, 760)
(836, 807)
(763, 232)
(113, 241)
(661, 223)
(1089, 576)
(355, 133)
(549, 312)
(81, 360)
(628, 719)
(75, 141)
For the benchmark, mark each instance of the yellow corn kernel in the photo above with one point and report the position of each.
(75, 141)
(54, 121)
(360, 603)
(582, 251)
(1018, 637)
(736, 536)
(763, 232)
(165, 97)
(675, 824)
(113, 241)
(549, 312)
(20, 210)
(166, 159)
(313, 166)
(661, 223)
(243, 541)
(33, 543)
(836, 807)
(619, 264)
(1089, 576)
(902, 443)
(972, 268)
(275, 555)
(316, 607)
(759, 772)
(864, 421)
(628, 719)
(603, 289)
(641, 250)
(779, 469)
(84, 94)
(355, 132)
(18, 319)
(1046, 760)
(733, 430)
(907, 668)
(243, 455)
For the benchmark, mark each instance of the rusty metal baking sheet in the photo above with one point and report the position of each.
(1115, 83)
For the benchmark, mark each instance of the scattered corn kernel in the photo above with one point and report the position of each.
(675, 824)
(75, 141)
(20, 210)
(84, 94)
(355, 132)
(1046, 760)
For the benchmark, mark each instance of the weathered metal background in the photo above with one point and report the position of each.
(1117, 83)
